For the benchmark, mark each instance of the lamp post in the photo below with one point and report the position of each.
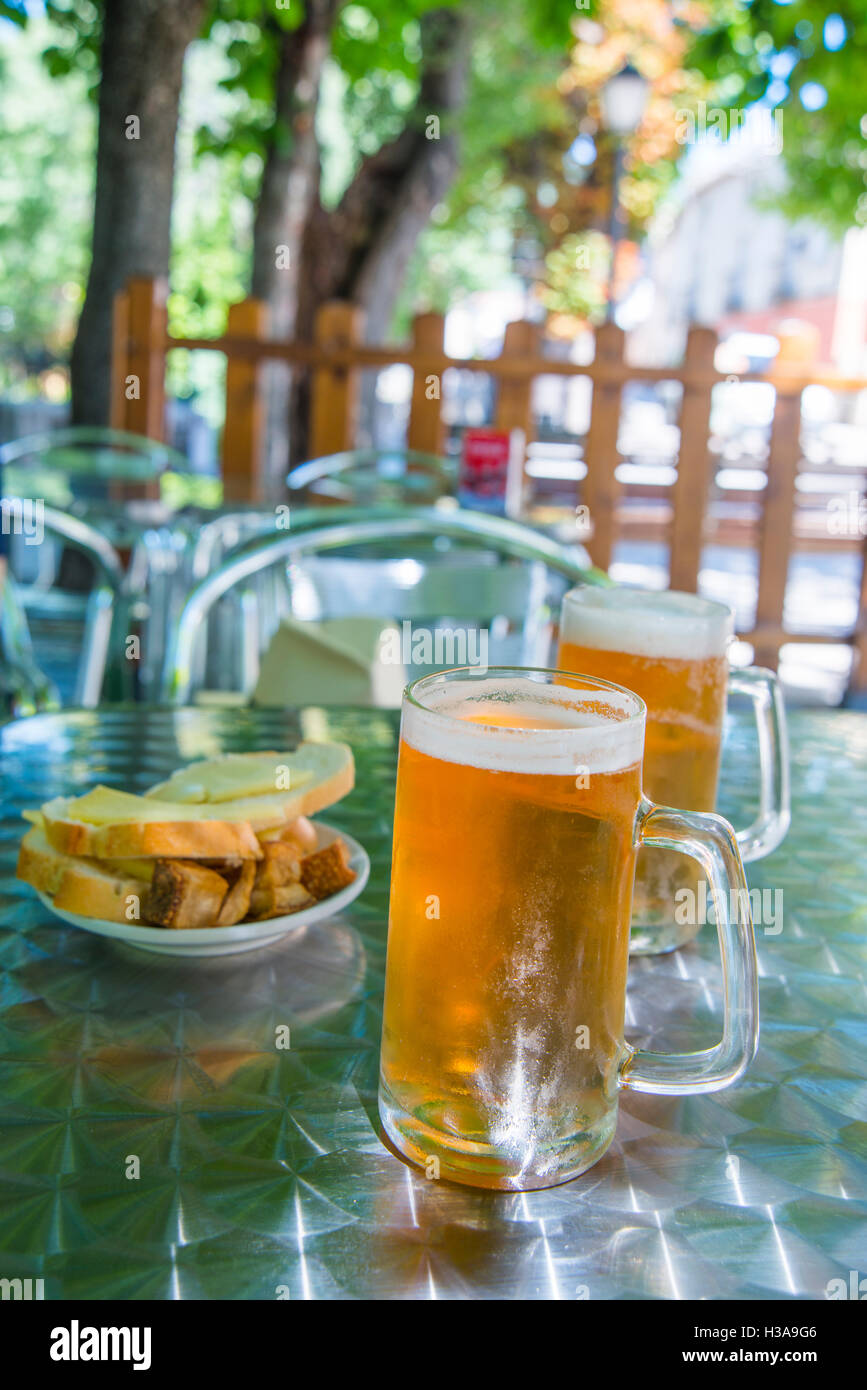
(623, 99)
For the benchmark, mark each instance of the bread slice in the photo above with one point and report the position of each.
(42, 865)
(81, 886)
(200, 813)
(196, 837)
(90, 890)
(39, 863)
(305, 781)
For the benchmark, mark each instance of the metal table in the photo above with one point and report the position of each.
(262, 1173)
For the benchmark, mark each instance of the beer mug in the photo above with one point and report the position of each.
(671, 649)
(518, 816)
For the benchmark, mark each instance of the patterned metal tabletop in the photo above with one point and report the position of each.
(262, 1174)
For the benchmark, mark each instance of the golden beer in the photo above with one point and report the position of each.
(670, 648)
(514, 858)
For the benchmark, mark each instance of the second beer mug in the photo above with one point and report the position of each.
(671, 649)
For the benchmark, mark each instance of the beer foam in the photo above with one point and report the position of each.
(662, 623)
(597, 730)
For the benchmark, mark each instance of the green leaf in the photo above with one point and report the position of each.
(16, 12)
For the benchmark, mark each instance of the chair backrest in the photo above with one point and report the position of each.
(168, 560)
(81, 462)
(24, 687)
(99, 606)
(419, 579)
(453, 584)
(91, 451)
(368, 477)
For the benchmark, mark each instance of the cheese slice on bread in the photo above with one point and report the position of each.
(104, 825)
(314, 776)
(209, 810)
(234, 775)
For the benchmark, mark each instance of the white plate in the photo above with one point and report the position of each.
(225, 941)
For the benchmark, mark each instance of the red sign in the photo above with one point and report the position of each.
(485, 463)
(491, 476)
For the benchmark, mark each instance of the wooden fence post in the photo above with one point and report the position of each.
(514, 410)
(145, 382)
(425, 431)
(690, 494)
(775, 541)
(243, 432)
(334, 395)
(600, 487)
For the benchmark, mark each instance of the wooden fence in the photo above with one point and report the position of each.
(337, 356)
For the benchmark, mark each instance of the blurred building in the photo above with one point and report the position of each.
(719, 255)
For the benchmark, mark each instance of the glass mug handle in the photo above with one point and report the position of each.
(711, 841)
(772, 823)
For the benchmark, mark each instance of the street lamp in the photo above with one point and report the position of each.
(623, 99)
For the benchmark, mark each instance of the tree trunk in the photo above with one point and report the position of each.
(290, 186)
(361, 249)
(421, 179)
(290, 178)
(143, 47)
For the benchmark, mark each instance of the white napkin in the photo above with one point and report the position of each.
(337, 661)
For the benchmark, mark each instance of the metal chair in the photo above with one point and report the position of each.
(423, 573)
(164, 564)
(369, 477)
(87, 471)
(37, 464)
(94, 613)
(167, 560)
(24, 688)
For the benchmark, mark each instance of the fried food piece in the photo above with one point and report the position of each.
(327, 871)
(279, 901)
(184, 894)
(280, 864)
(237, 901)
(279, 869)
(300, 833)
